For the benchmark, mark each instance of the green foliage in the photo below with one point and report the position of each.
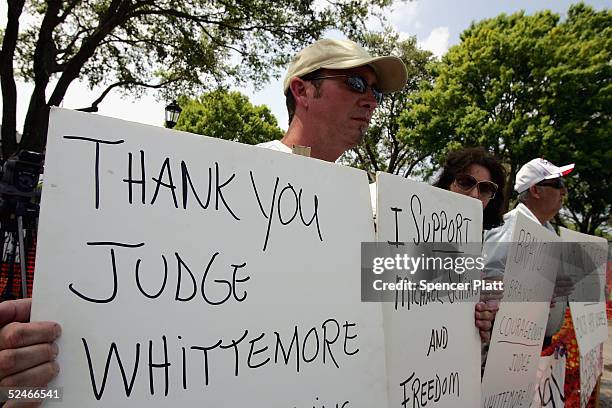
(175, 46)
(382, 149)
(228, 115)
(527, 86)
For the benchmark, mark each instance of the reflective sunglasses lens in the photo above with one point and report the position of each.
(465, 181)
(360, 85)
(357, 83)
(377, 95)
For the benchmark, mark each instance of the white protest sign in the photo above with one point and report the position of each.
(433, 347)
(587, 302)
(518, 332)
(190, 271)
(591, 368)
(550, 383)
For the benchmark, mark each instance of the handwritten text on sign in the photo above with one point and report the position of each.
(591, 367)
(550, 385)
(190, 270)
(589, 317)
(433, 348)
(510, 376)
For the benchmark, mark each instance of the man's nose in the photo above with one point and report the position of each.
(368, 100)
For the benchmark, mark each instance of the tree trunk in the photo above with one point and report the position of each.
(36, 124)
(37, 120)
(7, 79)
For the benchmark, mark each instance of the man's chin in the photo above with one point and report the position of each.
(363, 130)
(357, 137)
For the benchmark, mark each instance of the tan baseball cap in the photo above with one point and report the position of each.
(390, 71)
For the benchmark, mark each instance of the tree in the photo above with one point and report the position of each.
(382, 148)
(578, 105)
(137, 44)
(228, 115)
(528, 86)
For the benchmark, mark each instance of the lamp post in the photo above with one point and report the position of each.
(173, 111)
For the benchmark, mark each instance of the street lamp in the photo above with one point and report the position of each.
(173, 111)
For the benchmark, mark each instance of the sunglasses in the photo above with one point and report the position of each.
(555, 183)
(466, 183)
(357, 84)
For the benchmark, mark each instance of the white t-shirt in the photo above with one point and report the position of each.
(275, 145)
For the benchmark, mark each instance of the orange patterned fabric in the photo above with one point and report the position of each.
(566, 338)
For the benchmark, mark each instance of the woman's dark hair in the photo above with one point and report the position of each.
(459, 161)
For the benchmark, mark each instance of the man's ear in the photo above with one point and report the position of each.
(297, 87)
(533, 190)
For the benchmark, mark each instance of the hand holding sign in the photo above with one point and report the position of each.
(484, 315)
(27, 351)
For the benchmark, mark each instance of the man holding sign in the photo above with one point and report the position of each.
(332, 88)
(541, 190)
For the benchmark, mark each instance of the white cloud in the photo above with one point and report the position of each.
(403, 18)
(437, 41)
(403, 14)
(400, 15)
(404, 35)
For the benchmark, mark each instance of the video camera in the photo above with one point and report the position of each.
(19, 198)
(20, 173)
(19, 177)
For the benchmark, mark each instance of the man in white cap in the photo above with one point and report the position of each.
(332, 88)
(541, 191)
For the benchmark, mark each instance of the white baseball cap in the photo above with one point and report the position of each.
(537, 170)
(390, 71)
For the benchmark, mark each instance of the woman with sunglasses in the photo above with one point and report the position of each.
(476, 173)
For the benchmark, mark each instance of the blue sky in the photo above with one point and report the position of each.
(437, 25)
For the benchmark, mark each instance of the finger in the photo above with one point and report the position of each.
(38, 376)
(484, 316)
(485, 337)
(14, 404)
(13, 361)
(15, 311)
(484, 325)
(480, 306)
(489, 306)
(15, 335)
